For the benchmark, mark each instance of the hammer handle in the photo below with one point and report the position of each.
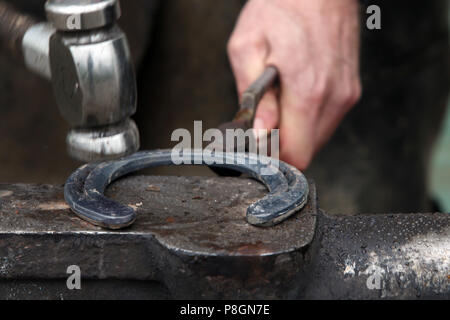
(13, 26)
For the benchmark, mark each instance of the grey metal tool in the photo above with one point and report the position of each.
(253, 95)
(86, 56)
(84, 190)
(244, 118)
(186, 248)
(250, 100)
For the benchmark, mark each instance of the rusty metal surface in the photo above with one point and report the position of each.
(191, 238)
(207, 216)
(391, 256)
(196, 215)
(191, 241)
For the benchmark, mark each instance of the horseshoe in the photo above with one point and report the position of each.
(84, 190)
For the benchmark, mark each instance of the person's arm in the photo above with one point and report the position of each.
(315, 46)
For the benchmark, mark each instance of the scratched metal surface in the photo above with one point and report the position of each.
(390, 256)
(195, 215)
(172, 244)
(207, 215)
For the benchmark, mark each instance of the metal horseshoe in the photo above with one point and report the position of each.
(84, 190)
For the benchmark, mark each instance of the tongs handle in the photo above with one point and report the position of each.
(253, 95)
(249, 103)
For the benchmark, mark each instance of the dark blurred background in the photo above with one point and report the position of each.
(378, 161)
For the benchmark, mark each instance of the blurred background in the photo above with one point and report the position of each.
(439, 176)
(383, 158)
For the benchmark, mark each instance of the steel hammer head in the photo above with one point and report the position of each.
(93, 78)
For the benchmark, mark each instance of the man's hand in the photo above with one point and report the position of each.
(315, 46)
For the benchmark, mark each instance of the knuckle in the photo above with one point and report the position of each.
(307, 99)
(235, 45)
(350, 94)
(313, 99)
(307, 108)
(231, 45)
(240, 44)
(316, 98)
(303, 108)
(317, 92)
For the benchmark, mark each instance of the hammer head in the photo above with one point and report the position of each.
(94, 82)
(103, 143)
(93, 78)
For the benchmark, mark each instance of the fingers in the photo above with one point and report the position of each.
(247, 50)
(318, 64)
(247, 62)
(267, 114)
(297, 128)
(335, 110)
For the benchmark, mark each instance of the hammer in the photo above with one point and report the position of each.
(86, 56)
